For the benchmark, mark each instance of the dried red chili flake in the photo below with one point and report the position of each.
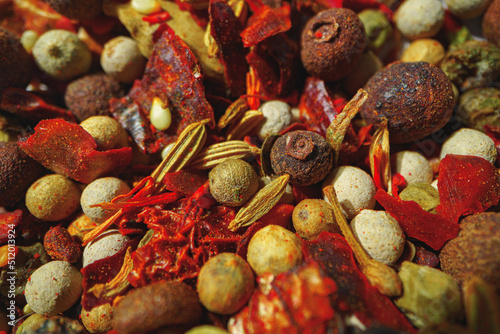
(185, 181)
(173, 75)
(60, 245)
(316, 106)
(226, 29)
(161, 17)
(354, 294)
(265, 22)
(298, 301)
(181, 244)
(434, 230)
(467, 185)
(8, 223)
(30, 106)
(276, 62)
(67, 149)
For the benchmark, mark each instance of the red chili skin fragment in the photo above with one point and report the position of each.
(434, 230)
(30, 106)
(172, 74)
(354, 294)
(266, 22)
(225, 28)
(67, 149)
(8, 223)
(467, 185)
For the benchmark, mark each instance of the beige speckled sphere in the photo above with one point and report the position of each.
(355, 189)
(53, 288)
(53, 197)
(312, 216)
(467, 9)
(122, 59)
(61, 54)
(420, 18)
(425, 49)
(99, 319)
(470, 142)
(274, 249)
(413, 166)
(379, 234)
(277, 117)
(100, 191)
(106, 131)
(107, 244)
(225, 283)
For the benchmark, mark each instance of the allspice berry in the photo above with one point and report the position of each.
(16, 67)
(416, 98)
(332, 43)
(304, 155)
(233, 182)
(491, 24)
(474, 252)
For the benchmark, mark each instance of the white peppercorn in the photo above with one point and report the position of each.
(122, 59)
(379, 234)
(53, 197)
(100, 191)
(107, 244)
(53, 288)
(470, 142)
(61, 54)
(274, 249)
(106, 131)
(420, 18)
(277, 117)
(413, 166)
(355, 189)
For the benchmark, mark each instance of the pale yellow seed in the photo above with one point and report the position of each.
(160, 117)
(28, 39)
(146, 7)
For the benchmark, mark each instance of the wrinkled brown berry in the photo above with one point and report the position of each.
(332, 43)
(88, 96)
(17, 172)
(304, 155)
(16, 66)
(77, 9)
(416, 98)
(474, 252)
(60, 245)
(491, 24)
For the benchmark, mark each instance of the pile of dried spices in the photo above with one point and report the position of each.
(249, 166)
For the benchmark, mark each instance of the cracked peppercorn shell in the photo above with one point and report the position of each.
(77, 9)
(474, 252)
(89, 95)
(16, 67)
(332, 43)
(225, 283)
(17, 172)
(304, 155)
(416, 98)
(53, 288)
(233, 182)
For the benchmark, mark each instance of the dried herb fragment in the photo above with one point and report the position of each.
(266, 22)
(225, 28)
(467, 185)
(434, 230)
(173, 75)
(67, 149)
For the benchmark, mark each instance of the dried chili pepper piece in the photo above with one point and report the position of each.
(432, 229)
(173, 75)
(30, 106)
(467, 185)
(266, 22)
(185, 181)
(8, 222)
(226, 29)
(354, 294)
(60, 245)
(67, 149)
(298, 301)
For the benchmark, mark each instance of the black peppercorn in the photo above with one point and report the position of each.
(332, 43)
(304, 155)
